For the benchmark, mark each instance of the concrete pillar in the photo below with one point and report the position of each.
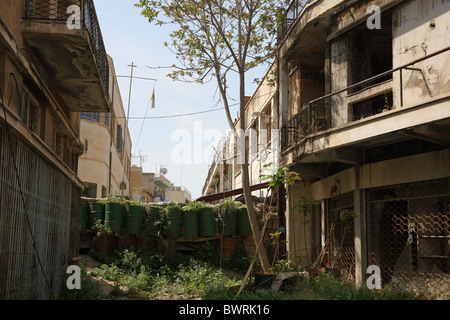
(290, 230)
(360, 237)
(283, 89)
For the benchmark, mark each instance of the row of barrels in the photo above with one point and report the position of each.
(179, 222)
(115, 216)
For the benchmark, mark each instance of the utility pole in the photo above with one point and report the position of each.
(126, 126)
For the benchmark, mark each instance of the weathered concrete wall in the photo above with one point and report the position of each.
(339, 80)
(10, 13)
(94, 163)
(420, 28)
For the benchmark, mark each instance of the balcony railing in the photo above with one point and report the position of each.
(56, 11)
(315, 116)
(291, 14)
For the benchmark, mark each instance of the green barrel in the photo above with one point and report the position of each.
(96, 212)
(243, 227)
(190, 223)
(114, 216)
(152, 215)
(134, 216)
(174, 215)
(84, 213)
(206, 223)
(227, 223)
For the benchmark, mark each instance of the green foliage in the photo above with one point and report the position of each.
(155, 225)
(101, 229)
(209, 254)
(347, 217)
(197, 206)
(284, 266)
(215, 37)
(239, 261)
(197, 277)
(279, 176)
(145, 273)
(305, 205)
(226, 206)
(113, 199)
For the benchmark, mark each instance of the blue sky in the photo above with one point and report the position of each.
(129, 37)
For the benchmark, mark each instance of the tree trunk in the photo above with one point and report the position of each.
(262, 251)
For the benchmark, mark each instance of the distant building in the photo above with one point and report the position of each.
(259, 145)
(148, 187)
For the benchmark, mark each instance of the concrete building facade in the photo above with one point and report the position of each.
(104, 166)
(50, 71)
(365, 119)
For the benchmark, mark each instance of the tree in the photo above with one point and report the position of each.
(215, 38)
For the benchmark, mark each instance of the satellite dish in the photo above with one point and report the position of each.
(163, 170)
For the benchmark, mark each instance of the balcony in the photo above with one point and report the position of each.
(369, 113)
(73, 55)
(291, 14)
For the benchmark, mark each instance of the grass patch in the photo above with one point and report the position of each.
(148, 274)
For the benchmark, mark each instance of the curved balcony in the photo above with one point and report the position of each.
(66, 37)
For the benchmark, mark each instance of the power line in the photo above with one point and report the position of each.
(186, 114)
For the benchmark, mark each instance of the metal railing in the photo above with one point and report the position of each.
(291, 14)
(298, 126)
(314, 117)
(56, 11)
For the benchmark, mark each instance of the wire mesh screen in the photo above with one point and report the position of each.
(340, 244)
(38, 229)
(49, 9)
(408, 235)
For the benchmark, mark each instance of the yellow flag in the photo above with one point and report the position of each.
(153, 98)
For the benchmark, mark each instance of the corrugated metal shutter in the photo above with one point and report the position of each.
(52, 214)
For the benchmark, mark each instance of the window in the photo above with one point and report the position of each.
(107, 119)
(23, 112)
(371, 53)
(93, 116)
(119, 138)
(90, 190)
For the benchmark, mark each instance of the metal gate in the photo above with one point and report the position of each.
(36, 222)
(340, 243)
(408, 236)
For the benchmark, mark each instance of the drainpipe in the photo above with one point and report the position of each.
(111, 122)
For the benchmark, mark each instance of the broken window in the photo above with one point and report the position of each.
(370, 53)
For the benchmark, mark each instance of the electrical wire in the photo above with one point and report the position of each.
(186, 114)
(22, 196)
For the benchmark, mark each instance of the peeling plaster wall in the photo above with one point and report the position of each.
(339, 80)
(420, 28)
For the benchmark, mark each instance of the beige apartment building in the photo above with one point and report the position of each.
(104, 166)
(260, 144)
(50, 72)
(364, 98)
(150, 187)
